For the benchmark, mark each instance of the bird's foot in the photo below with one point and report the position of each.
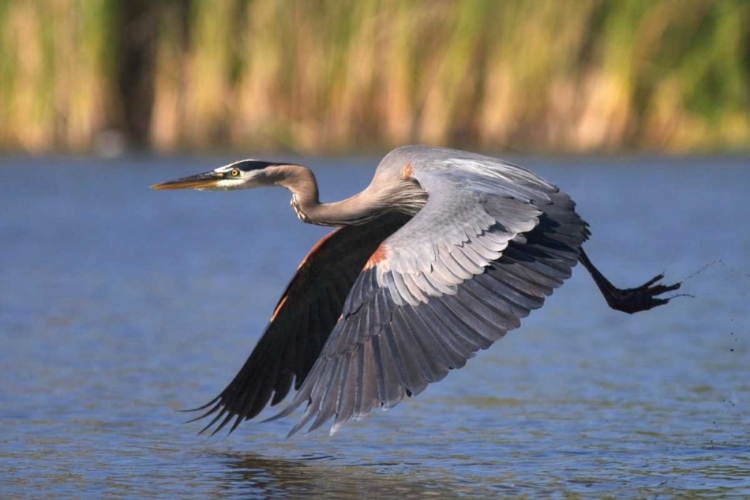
(642, 298)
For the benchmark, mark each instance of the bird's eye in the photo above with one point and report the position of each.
(235, 172)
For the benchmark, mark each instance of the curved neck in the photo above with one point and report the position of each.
(300, 180)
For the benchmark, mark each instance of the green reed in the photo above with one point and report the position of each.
(333, 75)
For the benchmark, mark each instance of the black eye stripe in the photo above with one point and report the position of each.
(247, 165)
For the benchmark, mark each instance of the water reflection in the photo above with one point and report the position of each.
(250, 475)
(117, 306)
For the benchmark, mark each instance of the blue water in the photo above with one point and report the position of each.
(120, 305)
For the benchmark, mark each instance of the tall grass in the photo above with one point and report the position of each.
(335, 75)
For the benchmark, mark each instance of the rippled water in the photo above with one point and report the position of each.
(120, 305)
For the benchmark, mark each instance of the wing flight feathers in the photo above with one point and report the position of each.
(487, 248)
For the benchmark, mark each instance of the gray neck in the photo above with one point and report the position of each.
(359, 209)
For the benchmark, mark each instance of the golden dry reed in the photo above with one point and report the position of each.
(311, 76)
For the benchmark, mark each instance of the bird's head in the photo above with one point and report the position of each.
(244, 174)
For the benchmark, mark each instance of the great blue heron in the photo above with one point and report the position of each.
(438, 257)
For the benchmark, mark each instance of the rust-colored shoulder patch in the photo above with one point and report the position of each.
(302, 268)
(278, 307)
(376, 258)
(406, 172)
(316, 247)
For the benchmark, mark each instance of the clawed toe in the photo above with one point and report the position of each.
(654, 290)
(651, 281)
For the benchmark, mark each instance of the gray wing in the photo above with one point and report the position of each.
(301, 322)
(492, 241)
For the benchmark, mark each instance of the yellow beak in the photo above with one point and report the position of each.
(200, 181)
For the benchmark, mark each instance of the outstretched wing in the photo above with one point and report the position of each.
(301, 322)
(492, 241)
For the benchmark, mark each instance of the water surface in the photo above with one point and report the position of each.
(120, 305)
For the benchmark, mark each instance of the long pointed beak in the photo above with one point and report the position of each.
(200, 181)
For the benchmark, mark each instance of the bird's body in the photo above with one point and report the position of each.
(442, 254)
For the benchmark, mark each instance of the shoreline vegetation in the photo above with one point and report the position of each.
(333, 76)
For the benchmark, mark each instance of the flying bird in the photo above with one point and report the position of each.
(440, 256)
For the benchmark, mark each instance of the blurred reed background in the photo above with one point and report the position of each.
(312, 76)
